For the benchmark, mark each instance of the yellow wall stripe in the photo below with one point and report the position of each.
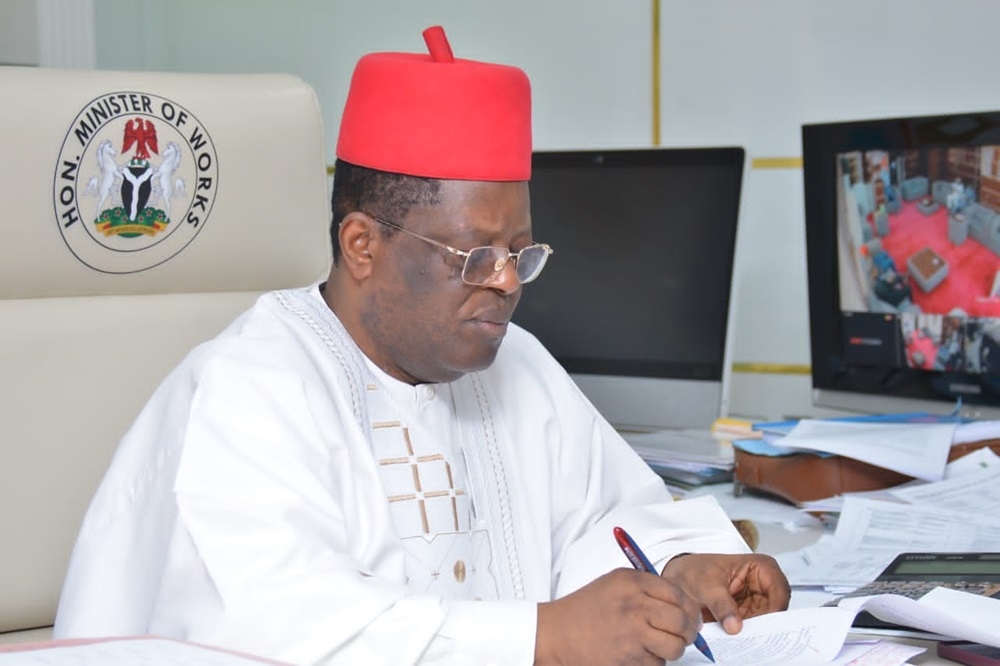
(776, 163)
(656, 72)
(773, 368)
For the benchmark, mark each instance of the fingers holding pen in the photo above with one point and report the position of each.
(625, 616)
(671, 600)
(672, 614)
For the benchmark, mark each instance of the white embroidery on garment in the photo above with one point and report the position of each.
(420, 484)
(432, 515)
(502, 494)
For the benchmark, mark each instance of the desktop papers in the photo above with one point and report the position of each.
(802, 637)
(870, 533)
(973, 492)
(817, 635)
(149, 651)
(808, 635)
(977, 486)
(960, 615)
(915, 449)
(686, 457)
(958, 514)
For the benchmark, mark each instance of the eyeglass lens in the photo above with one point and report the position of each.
(484, 263)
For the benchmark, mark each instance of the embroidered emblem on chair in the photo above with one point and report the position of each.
(135, 181)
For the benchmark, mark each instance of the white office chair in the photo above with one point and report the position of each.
(141, 213)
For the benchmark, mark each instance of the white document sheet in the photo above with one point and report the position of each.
(916, 449)
(697, 446)
(909, 528)
(974, 492)
(827, 564)
(882, 653)
(127, 652)
(803, 636)
(970, 464)
(817, 635)
(960, 615)
(870, 533)
(976, 431)
(978, 459)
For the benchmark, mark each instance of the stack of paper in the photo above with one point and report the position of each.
(685, 457)
(915, 444)
(123, 651)
(817, 635)
(960, 513)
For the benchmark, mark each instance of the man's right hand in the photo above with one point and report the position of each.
(623, 617)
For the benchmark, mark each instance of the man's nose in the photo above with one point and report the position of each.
(505, 279)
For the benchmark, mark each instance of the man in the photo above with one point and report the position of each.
(382, 468)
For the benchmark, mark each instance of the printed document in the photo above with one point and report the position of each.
(961, 615)
(817, 635)
(802, 637)
(915, 449)
(975, 492)
(870, 533)
(127, 652)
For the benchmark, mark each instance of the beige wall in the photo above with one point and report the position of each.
(731, 72)
(18, 32)
(47, 33)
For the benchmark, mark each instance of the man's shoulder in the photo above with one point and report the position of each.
(283, 331)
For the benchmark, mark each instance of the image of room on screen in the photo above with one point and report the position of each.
(918, 234)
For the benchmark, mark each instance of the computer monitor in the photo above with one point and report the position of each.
(635, 301)
(903, 258)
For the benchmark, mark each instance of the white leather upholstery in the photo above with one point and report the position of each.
(91, 319)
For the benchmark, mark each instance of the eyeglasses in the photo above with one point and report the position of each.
(484, 264)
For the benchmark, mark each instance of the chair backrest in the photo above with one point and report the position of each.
(141, 213)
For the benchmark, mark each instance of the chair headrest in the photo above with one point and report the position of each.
(138, 182)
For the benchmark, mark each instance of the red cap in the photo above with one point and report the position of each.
(438, 116)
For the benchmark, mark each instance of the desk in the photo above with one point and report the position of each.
(783, 528)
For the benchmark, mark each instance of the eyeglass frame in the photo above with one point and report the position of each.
(466, 254)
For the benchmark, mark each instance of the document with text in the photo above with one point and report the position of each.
(128, 651)
(803, 637)
(870, 533)
(916, 449)
(819, 635)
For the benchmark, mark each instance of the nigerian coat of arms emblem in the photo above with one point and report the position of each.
(135, 183)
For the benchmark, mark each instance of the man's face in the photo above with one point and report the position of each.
(422, 322)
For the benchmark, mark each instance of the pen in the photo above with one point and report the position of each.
(642, 563)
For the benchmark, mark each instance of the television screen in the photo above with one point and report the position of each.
(635, 301)
(903, 255)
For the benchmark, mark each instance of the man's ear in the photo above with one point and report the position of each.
(357, 243)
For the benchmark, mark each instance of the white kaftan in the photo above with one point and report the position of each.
(280, 495)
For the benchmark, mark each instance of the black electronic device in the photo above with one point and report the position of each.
(915, 574)
(903, 261)
(635, 302)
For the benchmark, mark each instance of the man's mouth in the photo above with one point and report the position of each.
(493, 324)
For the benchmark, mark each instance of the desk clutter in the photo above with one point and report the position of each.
(811, 459)
(124, 651)
(872, 488)
(685, 458)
